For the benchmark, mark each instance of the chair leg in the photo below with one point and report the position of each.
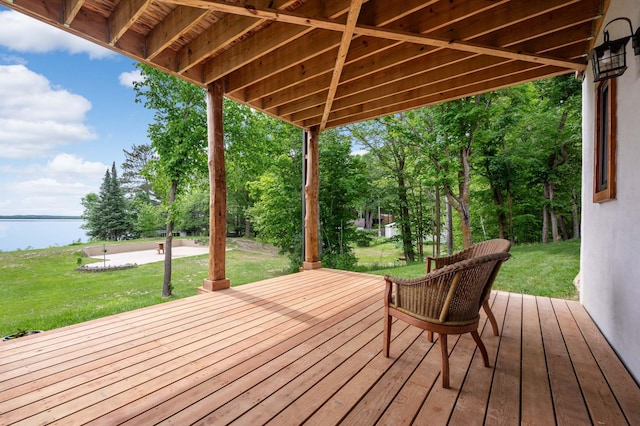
(444, 361)
(483, 350)
(492, 319)
(430, 336)
(387, 335)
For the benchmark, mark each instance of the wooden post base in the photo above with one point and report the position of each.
(208, 285)
(307, 266)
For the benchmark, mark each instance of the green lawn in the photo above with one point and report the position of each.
(537, 269)
(41, 290)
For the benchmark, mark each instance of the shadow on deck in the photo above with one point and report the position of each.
(306, 348)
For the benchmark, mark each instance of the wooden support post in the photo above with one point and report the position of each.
(218, 192)
(312, 208)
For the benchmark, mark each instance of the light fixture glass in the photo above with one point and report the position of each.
(609, 60)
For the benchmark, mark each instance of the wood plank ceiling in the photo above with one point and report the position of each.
(328, 63)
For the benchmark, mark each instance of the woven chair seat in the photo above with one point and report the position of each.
(445, 301)
(480, 249)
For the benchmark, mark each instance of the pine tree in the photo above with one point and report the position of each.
(134, 182)
(106, 214)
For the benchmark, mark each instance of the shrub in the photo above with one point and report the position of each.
(363, 239)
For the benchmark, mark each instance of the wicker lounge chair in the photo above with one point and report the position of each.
(498, 245)
(445, 301)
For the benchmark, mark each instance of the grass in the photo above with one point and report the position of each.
(536, 269)
(41, 290)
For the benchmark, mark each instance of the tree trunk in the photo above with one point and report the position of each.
(166, 284)
(461, 204)
(420, 231)
(437, 223)
(449, 227)
(247, 228)
(552, 212)
(545, 218)
(368, 219)
(498, 200)
(510, 207)
(576, 217)
(562, 228)
(405, 225)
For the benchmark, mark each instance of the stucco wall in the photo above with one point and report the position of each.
(610, 260)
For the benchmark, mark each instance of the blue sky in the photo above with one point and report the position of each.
(67, 111)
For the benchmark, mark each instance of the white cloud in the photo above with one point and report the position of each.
(19, 32)
(128, 78)
(35, 117)
(53, 188)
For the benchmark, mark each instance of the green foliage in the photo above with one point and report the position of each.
(502, 159)
(134, 180)
(342, 180)
(253, 144)
(178, 136)
(192, 212)
(179, 131)
(277, 211)
(149, 219)
(362, 238)
(107, 215)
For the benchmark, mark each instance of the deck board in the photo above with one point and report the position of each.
(307, 348)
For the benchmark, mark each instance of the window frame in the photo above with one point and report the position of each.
(604, 173)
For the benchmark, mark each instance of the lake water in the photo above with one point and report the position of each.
(39, 233)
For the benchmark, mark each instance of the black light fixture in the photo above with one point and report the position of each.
(609, 60)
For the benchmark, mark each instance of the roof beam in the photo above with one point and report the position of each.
(125, 15)
(525, 36)
(474, 16)
(384, 53)
(71, 9)
(266, 80)
(217, 37)
(271, 38)
(347, 35)
(402, 36)
(533, 74)
(178, 22)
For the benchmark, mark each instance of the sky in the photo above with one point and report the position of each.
(67, 111)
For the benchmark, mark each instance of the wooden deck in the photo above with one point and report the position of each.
(306, 348)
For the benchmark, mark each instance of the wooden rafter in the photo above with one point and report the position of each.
(279, 56)
(71, 9)
(401, 36)
(181, 20)
(125, 14)
(352, 18)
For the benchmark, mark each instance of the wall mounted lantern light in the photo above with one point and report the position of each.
(609, 60)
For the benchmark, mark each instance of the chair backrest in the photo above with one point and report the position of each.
(498, 245)
(453, 293)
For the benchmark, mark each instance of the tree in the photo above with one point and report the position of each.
(391, 149)
(277, 210)
(342, 181)
(192, 213)
(134, 180)
(458, 125)
(252, 141)
(549, 139)
(178, 135)
(106, 215)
